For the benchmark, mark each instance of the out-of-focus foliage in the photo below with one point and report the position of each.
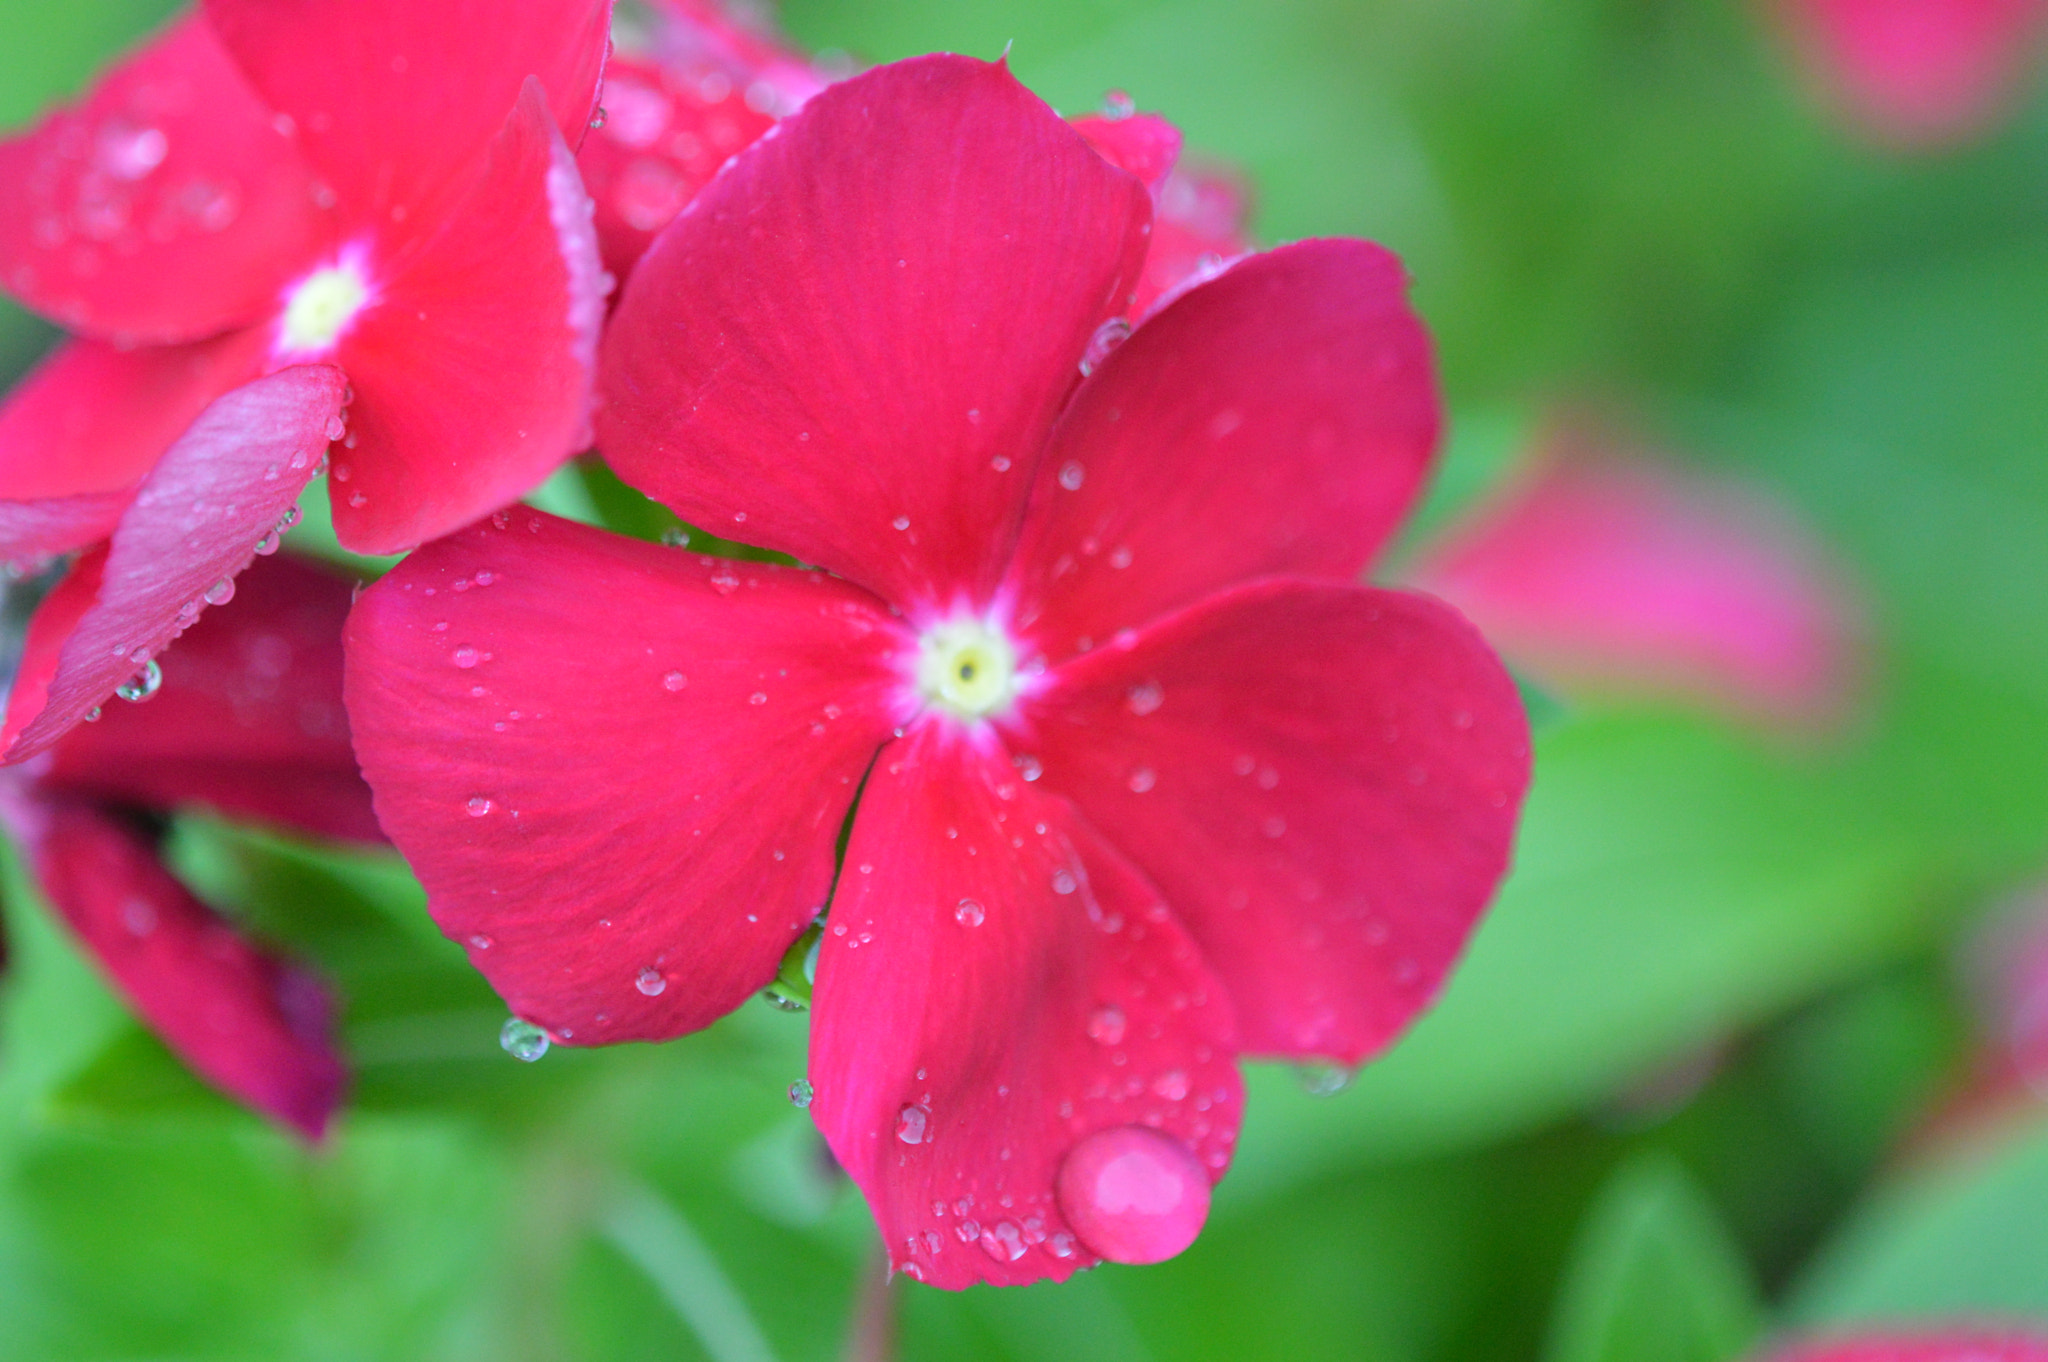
(1669, 1099)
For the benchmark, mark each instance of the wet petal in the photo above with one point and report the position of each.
(80, 432)
(1276, 419)
(996, 986)
(193, 525)
(852, 345)
(1323, 782)
(252, 1024)
(663, 139)
(248, 719)
(618, 769)
(394, 100)
(165, 206)
(473, 369)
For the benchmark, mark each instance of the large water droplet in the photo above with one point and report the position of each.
(1324, 1080)
(913, 1123)
(220, 593)
(650, 982)
(1134, 1195)
(522, 1040)
(1107, 338)
(143, 685)
(478, 806)
(969, 913)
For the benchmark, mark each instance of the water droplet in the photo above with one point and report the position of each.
(901, 522)
(1145, 697)
(758, 698)
(912, 1123)
(1063, 882)
(1118, 104)
(674, 681)
(1072, 475)
(267, 545)
(597, 119)
(1061, 1244)
(336, 428)
(92, 716)
(676, 537)
(289, 521)
(1001, 463)
(1003, 1242)
(650, 982)
(1120, 556)
(1171, 1085)
(522, 1040)
(1106, 1025)
(478, 806)
(1028, 766)
(482, 942)
(143, 685)
(220, 593)
(800, 1093)
(1134, 1195)
(465, 657)
(1142, 780)
(1107, 338)
(969, 913)
(1324, 1080)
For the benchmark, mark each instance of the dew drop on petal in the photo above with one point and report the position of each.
(1072, 475)
(650, 982)
(674, 681)
(912, 1123)
(220, 593)
(143, 685)
(1324, 1080)
(465, 657)
(1106, 1025)
(1144, 698)
(478, 806)
(969, 913)
(1134, 1195)
(1063, 882)
(1142, 780)
(522, 1040)
(1107, 337)
(800, 1093)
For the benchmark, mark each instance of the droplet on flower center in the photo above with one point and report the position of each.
(969, 667)
(320, 307)
(1133, 1194)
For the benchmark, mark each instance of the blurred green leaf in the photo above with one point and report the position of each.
(1961, 1234)
(1674, 883)
(1655, 1278)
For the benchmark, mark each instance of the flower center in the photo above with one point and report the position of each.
(969, 667)
(320, 308)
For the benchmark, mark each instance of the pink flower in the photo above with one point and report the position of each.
(1145, 780)
(248, 721)
(268, 186)
(364, 184)
(1602, 570)
(1954, 1344)
(1916, 73)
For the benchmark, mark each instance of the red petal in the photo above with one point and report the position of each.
(1323, 782)
(253, 1025)
(1952, 1345)
(1918, 72)
(1200, 228)
(394, 100)
(825, 354)
(663, 139)
(618, 769)
(1605, 575)
(1144, 144)
(194, 523)
(997, 983)
(49, 629)
(163, 207)
(474, 369)
(1277, 419)
(83, 429)
(249, 719)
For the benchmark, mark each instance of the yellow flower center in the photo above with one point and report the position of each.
(320, 309)
(968, 667)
